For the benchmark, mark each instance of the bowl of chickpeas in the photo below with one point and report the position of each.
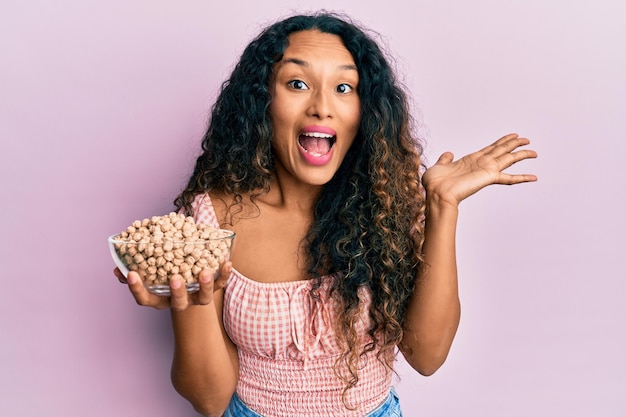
(164, 247)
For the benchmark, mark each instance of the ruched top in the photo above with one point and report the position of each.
(287, 345)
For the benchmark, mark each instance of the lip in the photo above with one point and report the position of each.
(319, 129)
(316, 160)
(313, 159)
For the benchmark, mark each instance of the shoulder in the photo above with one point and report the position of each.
(229, 208)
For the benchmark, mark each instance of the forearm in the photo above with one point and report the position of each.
(434, 310)
(205, 366)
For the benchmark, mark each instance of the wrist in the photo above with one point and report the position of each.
(439, 203)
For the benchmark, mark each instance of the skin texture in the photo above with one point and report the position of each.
(315, 85)
(434, 311)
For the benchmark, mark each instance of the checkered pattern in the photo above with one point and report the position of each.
(287, 346)
(203, 211)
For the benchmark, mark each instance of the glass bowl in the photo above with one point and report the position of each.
(157, 262)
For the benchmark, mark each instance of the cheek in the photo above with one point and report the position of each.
(356, 120)
(279, 115)
(355, 112)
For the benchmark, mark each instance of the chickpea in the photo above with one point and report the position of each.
(162, 247)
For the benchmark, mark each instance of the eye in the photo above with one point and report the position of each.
(298, 85)
(343, 88)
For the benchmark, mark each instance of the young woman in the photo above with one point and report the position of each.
(345, 252)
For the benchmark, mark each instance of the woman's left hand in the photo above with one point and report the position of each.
(450, 182)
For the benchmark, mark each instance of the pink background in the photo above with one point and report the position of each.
(102, 104)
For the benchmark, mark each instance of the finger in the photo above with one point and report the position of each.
(142, 296)
(206, 280)
(509, 159)
(523, 154)
(179, 298)
(504, 138)
(511, 179)
(120, 276)
(222, 278)
(503, 147)
(445, 158)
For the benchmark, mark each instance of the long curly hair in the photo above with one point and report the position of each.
(368, 221)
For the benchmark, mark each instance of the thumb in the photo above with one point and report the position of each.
(445, 158)
(222, 278)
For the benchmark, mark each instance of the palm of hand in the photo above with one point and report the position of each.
(450, 182)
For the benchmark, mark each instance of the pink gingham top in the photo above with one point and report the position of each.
(287, 346)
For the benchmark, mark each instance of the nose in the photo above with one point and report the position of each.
(320, 105)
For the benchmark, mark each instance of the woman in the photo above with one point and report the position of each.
(345, 253)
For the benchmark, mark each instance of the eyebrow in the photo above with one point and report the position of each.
(305, 64)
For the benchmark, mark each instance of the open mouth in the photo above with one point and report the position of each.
(316, 143)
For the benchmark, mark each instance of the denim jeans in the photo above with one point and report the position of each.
(389, 408)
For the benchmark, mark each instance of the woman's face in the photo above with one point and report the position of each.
(315, 108)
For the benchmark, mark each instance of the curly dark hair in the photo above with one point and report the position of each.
(368, 221)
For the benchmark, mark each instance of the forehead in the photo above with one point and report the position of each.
(315, 45)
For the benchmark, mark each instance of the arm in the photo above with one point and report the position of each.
(434, 310)
(205, 367)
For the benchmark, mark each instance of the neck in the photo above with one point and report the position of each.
(289, 193)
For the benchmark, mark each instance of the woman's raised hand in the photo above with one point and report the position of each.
(450, 182)
(180, 299)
